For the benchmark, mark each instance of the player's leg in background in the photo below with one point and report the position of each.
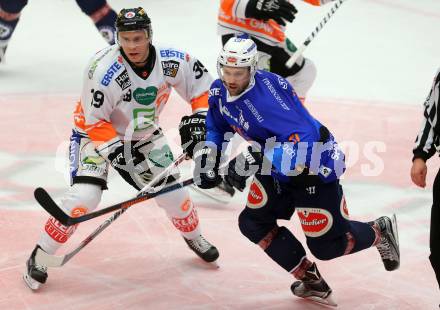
(88, 178)
(9, 16)
(177, 204)
(102, 15)
(435, 228)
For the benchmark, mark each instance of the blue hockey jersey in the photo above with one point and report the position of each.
(269, 112)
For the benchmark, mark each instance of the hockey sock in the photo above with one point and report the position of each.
(8, 22)
(102, 15)
(106, 26)
(180, 210)
(282, 246)
(363, 234)
(80, 199)
(300, 270)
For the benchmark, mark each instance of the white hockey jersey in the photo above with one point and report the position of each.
(118, 105)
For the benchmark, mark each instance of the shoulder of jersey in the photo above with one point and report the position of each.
(105, 65)
(275, 79)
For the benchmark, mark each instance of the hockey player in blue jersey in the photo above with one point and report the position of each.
(297, 163)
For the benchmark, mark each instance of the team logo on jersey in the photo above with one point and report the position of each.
(145, 96)
(170, 68)
(123, 80)
(257, 196)
(315, 222)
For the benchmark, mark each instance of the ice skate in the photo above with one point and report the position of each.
(313, 287)
(203, 249)
(34, 275)
(388, 245)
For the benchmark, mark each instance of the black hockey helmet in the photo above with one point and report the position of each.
(133, 19)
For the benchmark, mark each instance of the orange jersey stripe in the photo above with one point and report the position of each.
(269, 30)
(100, 132)
(78, 116)
(313, 2)
(201, 102)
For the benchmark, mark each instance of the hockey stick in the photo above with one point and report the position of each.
(309, 39)
(53, 209)
(48, 260)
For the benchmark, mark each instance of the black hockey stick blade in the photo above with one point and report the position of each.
(44, 199)
(53, 209)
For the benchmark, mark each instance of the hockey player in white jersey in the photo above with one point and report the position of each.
(125, 89)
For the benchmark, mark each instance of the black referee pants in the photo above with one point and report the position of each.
(434, 241)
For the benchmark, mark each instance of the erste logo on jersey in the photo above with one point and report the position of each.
(214, 92)
(170, 67)
(172, 53)
(123, 80)
(114, 68)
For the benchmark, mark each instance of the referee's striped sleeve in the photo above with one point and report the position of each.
(428, 138)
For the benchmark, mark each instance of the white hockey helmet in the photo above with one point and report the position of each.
(238, 52)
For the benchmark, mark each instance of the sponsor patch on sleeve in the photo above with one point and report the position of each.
(170, 67)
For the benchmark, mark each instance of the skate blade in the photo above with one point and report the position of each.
(31, 283)
(213, 264)
(394, 226)
(328, 301)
